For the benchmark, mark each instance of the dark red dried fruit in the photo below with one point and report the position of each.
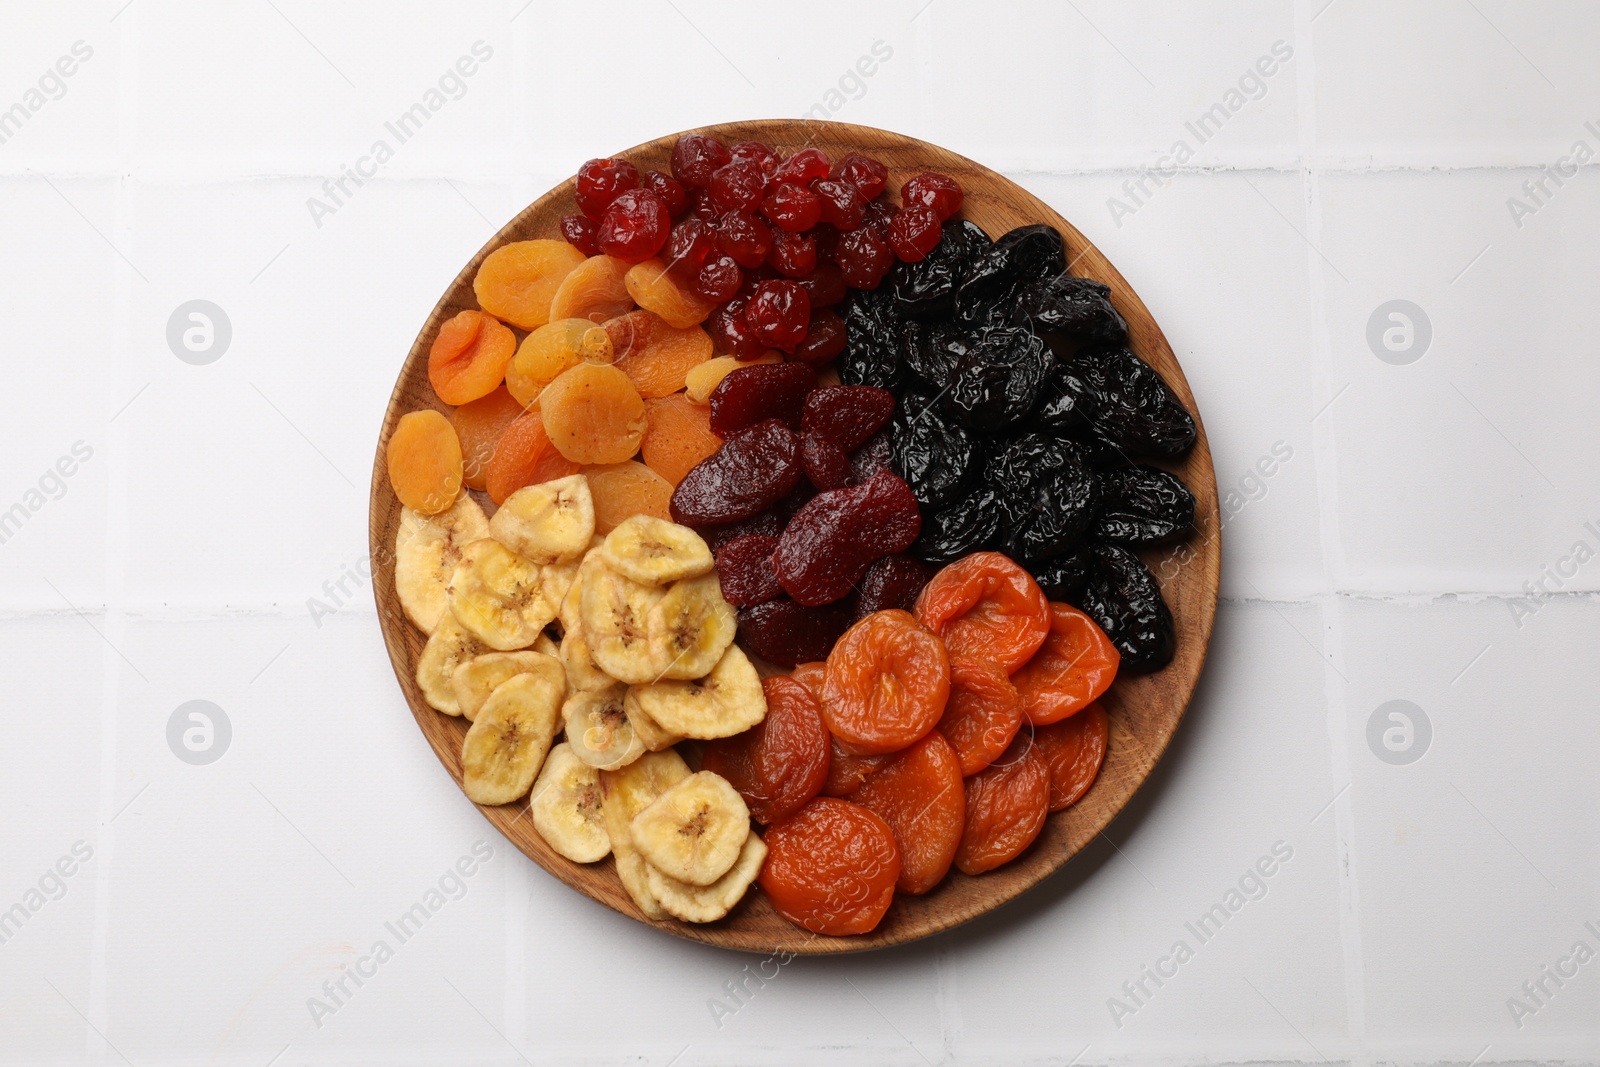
(914, 233)
(829, 545)
(779, 313)
(827, 238)
(874, 456)
(794, 255)
(634, 227)
(669, 189)
(790, 505)
(600, 181)
(891, 582)
(744, 237)
(738, 186)
(826, 464)
(825, 337)
(744, 567)
(847, 414)
(696, 156)
(719, 279)
(803, 168)
(825, 285)
(579, 230)
(729, 334)
(689, 246)
(754, 469)
(840, 203)
(864, 258)
(701, 206)
(755, 152)
(785, 633)
(934, 190)
(863, 172)
(791, 207)
(766, 524)
(749, 395)
(878, 215)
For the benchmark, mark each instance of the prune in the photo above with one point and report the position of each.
(927, 289)
(1134, 408)
(768, 524)
(1070, 311)
(847, 414)
(877, 454)
(1063, 577)
(891, 582)
(785, 633)
(1123, 599)
(1018, 259)
(999, 379)
(872, 341)
(744, 568)
(754, 469)
(936, 456)
(956, 529)
(830, 543)
(932, 351)
(765, 391)
(1048, 496)
(825, 463)
(1066, 404)
(1141, 505)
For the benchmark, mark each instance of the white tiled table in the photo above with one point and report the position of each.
(1382, 560)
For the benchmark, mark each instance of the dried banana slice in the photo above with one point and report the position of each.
(479, 676)
(566, 807)
(725, 702)
(449, 647)
(548, 523)
(583, 675)
(654, 736)
(654, 551)
(499, 596)
(426, 551)
(599, 730)
(690, 628)
(506, 745)
(546, 644)
(616, 624)
(571, 611)
(624, 794)
(693, 832)
(708, 903)
(556, 580)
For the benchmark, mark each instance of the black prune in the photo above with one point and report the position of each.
(927, 289)
(999, 379)
(932, 351)
(1019, 258)
(1134, 409)
(1069, 312)
(936, 456)
(1141, 505)
(1066, 404)
(1052, 518)
(964, 526)
(1123, 599)
(872, 340)
(1063, 577)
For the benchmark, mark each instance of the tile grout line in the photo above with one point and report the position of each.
(1324, 446)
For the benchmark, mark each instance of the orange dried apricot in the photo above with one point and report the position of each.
(594, 290)
(593, 414)
(831, 868)
(982, 715)
(656, 355)
(1006, 804)
(469, 356)
(886, 684)
(677, 436)
(703, 379)
(782, 761)
(918, 793)
(847, 773)
(623, 490)
(986, 607)
(810, 675)
(1073, 750)
(553, 348)
(479, 424)
(653, 289)
(424, 458)
(524, 456)
(517, 281)
(1073, 667)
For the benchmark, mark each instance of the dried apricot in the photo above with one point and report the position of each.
(1006, 805)
(424, 457)
(623, 490)
(479, 424)
(655, 355)
(847, 773)
(517, 281)
(524, 456)
(782, 761)
(810, 675)
(655, 289)
(983, 714)
(593, 414)
(886, 685)
(831, 868)
(986, 607)
(1073, 749)
(918, 793)
(677, 436)
(593, 290)
(469, 356)
(703, 379)
(551, 349)
(1073, 667)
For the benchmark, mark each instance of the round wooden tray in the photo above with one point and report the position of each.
(1144, 710)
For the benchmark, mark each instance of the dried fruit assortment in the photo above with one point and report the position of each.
(791, 461)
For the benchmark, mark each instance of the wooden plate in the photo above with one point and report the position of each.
(1144, 710)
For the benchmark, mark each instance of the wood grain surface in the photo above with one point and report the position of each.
(1144, 710)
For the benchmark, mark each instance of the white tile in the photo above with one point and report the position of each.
(63, 65)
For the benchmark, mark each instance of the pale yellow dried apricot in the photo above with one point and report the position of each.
(517, 281)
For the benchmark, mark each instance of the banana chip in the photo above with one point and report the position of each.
(506, 745)
(448, 648)
(498, 596)
(690, 628)
(624, 794)
(725, 702)
(708, 903)
(693, 832)
(426, 551)
(548, 523)
(653, 551)
(479, 676)
(599, 730)
(616, 624)
(567, 808)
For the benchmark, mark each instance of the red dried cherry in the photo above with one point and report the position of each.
(863, 172)
(718, 279)
(738, 185)
(600, 181)
(933, 190)
(914, 233)
(689, 246)
(778, 313)
(831, 542)
(755, 152)
(840, 203)
(825, 285)
(701, 206)
(793, 255)
(749, 395)
(729, 334)
(634, 227)
(824, 339)
(803, 168)
(879, 214)
(744, 237)
(695, 156)
(791, 207)
(669, 189)
(864, 258)
(579, 230)
(744, 567)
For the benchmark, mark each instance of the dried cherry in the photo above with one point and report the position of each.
(696, 156)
